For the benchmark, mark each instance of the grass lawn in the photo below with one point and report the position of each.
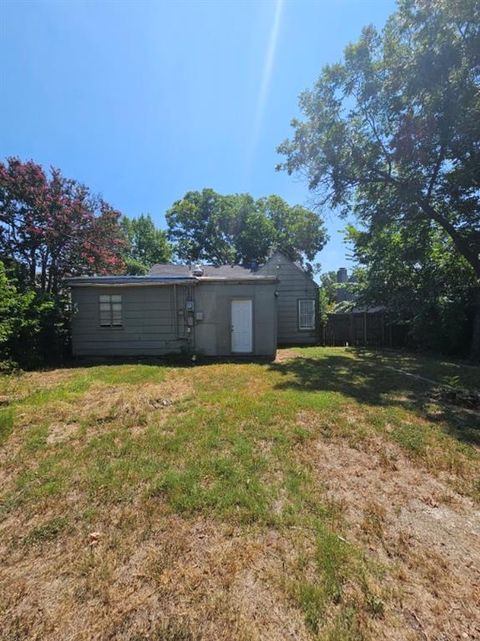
(326, 496)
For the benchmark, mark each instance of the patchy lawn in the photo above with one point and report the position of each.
(324, 496)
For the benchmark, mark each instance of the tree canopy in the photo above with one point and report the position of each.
(145, 244)
(226, 229)
(423, 280)
(392, 132)
(51, 226)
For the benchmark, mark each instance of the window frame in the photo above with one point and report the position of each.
(313, 312)
(113, 309)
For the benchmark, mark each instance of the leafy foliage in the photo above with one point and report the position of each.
(415, 271)
(208, 226)
(52, 227)
(33, 324)
(393, 132)
(146, 245)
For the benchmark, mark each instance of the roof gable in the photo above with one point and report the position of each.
(278, 258)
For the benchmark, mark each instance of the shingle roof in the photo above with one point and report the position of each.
(165, 269)
(209, 271)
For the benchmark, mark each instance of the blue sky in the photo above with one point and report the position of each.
(143, 101)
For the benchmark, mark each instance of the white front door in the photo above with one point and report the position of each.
(242, 326)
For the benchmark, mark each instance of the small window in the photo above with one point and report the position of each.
(110, 311)
(306, 313)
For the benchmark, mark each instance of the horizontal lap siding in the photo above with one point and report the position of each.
(213, 333)
(293, 284)
(148, 317)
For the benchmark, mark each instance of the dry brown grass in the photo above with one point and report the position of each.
(425, 536)
(148, 571)
(240, 503)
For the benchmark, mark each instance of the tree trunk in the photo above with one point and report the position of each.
(475, 345)
(33, 268)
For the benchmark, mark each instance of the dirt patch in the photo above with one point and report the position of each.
(105, 405)
(285, 355)
(148, 572)
(424, 534)
(59, 432)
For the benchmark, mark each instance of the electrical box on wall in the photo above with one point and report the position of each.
(199, 316)
(189, 305)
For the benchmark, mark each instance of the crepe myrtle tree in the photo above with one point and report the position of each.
(392, 132)
(52, 226)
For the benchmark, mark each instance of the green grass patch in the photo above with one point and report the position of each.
(6, 423)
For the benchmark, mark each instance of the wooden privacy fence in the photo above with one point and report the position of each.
(363, 328)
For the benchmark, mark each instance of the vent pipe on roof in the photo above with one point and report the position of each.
(197, 270)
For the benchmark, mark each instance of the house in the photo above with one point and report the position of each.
(344, 292)
(296, 292)
(216, 311)
(297, 305)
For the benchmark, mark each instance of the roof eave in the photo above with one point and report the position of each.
(150, 282)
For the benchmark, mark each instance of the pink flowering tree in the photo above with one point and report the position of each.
(53, 227)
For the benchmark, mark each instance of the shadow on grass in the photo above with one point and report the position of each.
(170, 360)
(367, 381)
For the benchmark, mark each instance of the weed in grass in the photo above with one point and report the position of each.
(373, 520)
(375, 606)
(48, 531)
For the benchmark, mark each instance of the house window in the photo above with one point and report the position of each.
(110, 311)
(306, 313)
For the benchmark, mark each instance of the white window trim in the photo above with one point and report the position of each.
(108, 300)
(313, 312)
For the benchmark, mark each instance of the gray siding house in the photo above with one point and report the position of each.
(158, 315)
(297, 305)
(216, 311)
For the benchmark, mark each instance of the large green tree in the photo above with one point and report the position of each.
(145, 244)
(415, 271)
(227, 229)
(393, 132)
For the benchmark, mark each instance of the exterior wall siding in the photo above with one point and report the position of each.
(150, 326)
(154, 319)
(213, 333)
(293, 285)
